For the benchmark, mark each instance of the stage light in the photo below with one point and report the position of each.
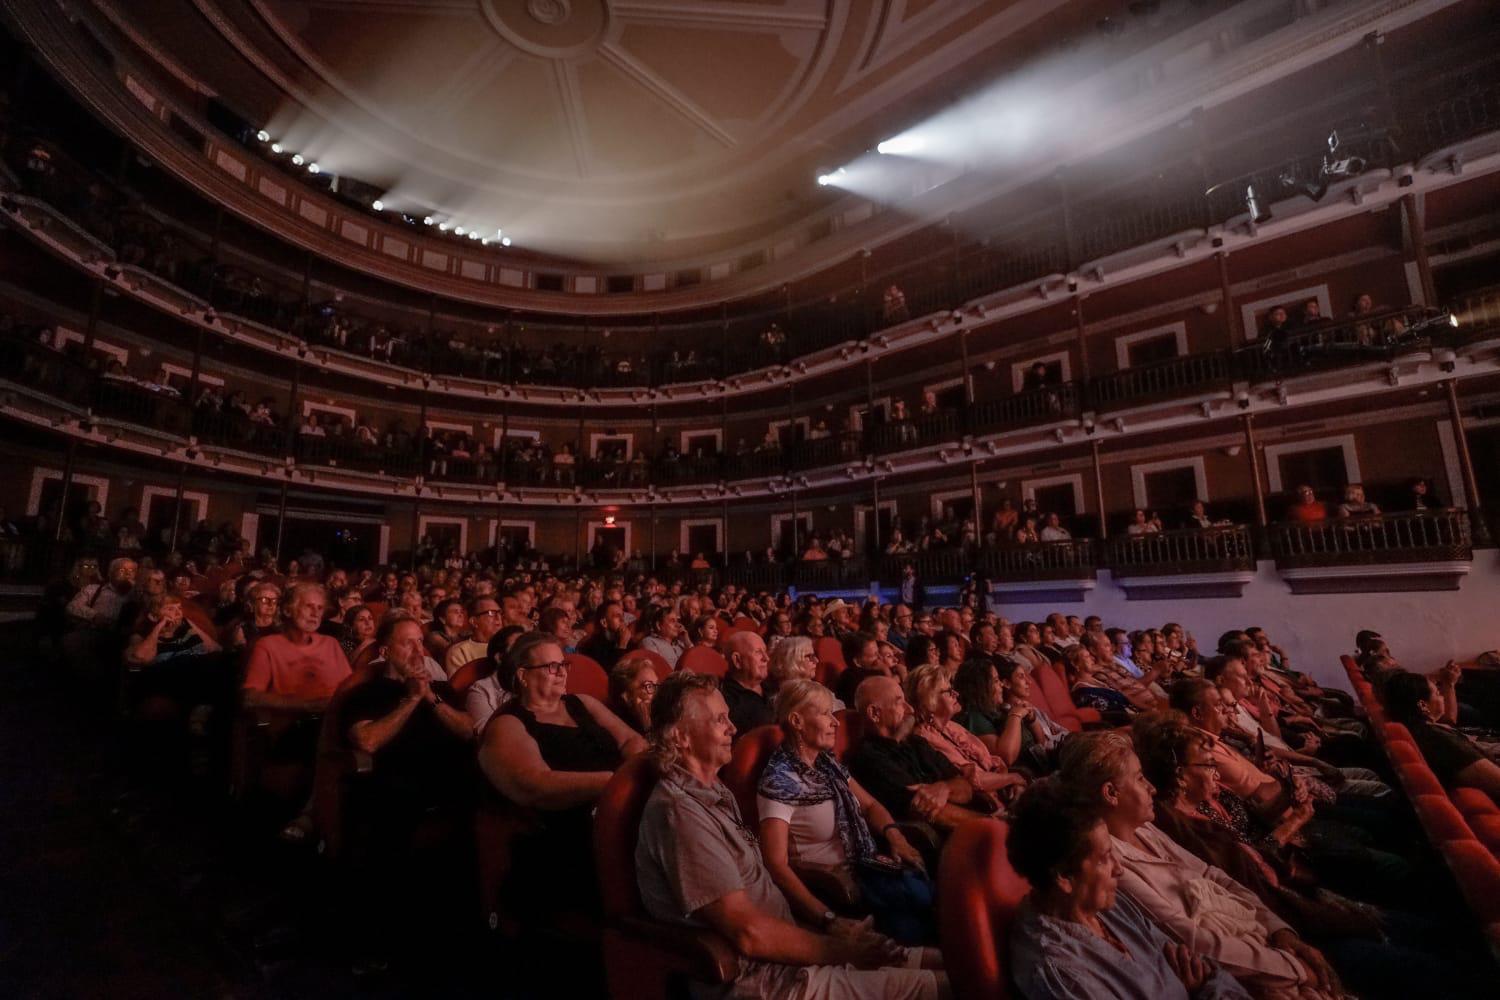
(1453, 321)
(458, 230)
(505, 241)
(427, 220)
(275, 147)
(827, 179)
(297, 160)
(263, 136)
(378, 205)
(1258, 213)
(313, 168)
(901, 145)
(443, 227)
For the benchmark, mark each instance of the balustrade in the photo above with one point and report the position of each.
(1208, 550)
(1423, 536)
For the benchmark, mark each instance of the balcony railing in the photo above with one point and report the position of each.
(1070, 560)
(1425, 536)
(1162, 380)
(1211, 550)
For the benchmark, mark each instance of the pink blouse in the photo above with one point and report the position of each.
(959, 745)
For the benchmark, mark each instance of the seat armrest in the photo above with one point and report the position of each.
(1088, 715)
(835, 887)
(701, 954)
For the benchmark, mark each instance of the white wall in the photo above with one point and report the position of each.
(1424, 629)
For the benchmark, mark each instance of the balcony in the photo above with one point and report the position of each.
(1215, 562)
(1045, 571)
(1424, 550)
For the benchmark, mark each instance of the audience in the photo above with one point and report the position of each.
(1222, 849)
(699, 865)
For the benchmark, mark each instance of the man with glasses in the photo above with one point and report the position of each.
(484, 622)
(301, 667)
(901, 626)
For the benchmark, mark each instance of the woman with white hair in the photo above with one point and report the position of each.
(1195, 903)
(812, 813)
(793, 658)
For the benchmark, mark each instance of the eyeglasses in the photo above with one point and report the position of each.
(557, 668)
(485, 614)
(647, 687)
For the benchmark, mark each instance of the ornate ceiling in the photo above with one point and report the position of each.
(603, 129)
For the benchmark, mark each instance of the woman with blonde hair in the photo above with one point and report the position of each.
(932, 699)
(815, 815)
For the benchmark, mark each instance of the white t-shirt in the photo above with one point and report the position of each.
(814, 831)
(484, 698)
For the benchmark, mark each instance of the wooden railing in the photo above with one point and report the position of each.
(1071, 560)
(1209, 550)
(1426, 536)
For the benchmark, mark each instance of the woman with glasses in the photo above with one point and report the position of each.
(551, 753)
(632, 686)
(933, 701)
(1382, 952)
(262, 615)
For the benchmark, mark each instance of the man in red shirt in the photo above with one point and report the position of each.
(300, 668)
(1307, 508)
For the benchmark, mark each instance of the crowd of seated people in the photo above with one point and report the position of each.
(1215, 815)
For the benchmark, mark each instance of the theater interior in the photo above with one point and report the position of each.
(750, 498)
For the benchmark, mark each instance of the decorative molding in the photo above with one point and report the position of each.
(1178, 331)
(98, 487)
(717, 523)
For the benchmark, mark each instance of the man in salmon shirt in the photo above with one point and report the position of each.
(299, 668)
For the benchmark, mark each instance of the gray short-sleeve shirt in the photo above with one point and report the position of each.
(694, 850)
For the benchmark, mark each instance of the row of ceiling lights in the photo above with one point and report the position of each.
(444, 225)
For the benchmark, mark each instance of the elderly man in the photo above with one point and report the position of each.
(907, 775)
(698, 864)
(484, 621)
(1109, 670)
(98, 605)
(301, 667)
(750, 704)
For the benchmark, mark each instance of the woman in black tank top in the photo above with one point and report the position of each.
(583, 746)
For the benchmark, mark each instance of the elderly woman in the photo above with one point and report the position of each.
(262, 615)
(170, 651)
(813, 814)
(793, 658)
(1196, 903)
(1087, 690)
(1076, 935)
(552, 753)
(632, 685)
(664, 635)
(1381, 951)
(931, 696)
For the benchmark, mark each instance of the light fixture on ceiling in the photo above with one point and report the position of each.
(297, 160)
(313, 168)
(458, 230)
(443, 227)
(378, 205)
(831, 178)
(263, 136)
(505, 241)
(427, 220)
(276, 147)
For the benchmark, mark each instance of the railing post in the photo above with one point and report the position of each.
(281, 520)
(1478, 528)
(1248, 420)
(67, 486)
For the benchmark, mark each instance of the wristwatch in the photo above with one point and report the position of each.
(827, 919)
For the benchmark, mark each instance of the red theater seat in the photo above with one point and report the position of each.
(1418, 780)
(585, 676)
(1441, 819)
(663, 668)
(1058, 700)
(977, 896)
(828, 650)
(644, 958)
(742, 773)
(1478, 876)
(703, 660)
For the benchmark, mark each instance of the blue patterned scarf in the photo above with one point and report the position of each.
(788, 780)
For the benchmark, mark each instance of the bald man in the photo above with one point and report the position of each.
(750, 705)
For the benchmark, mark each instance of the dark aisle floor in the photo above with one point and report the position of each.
(124, 879)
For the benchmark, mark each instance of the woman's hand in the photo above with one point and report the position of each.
(1318, 969)
(1192, 969)
(903, 849)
